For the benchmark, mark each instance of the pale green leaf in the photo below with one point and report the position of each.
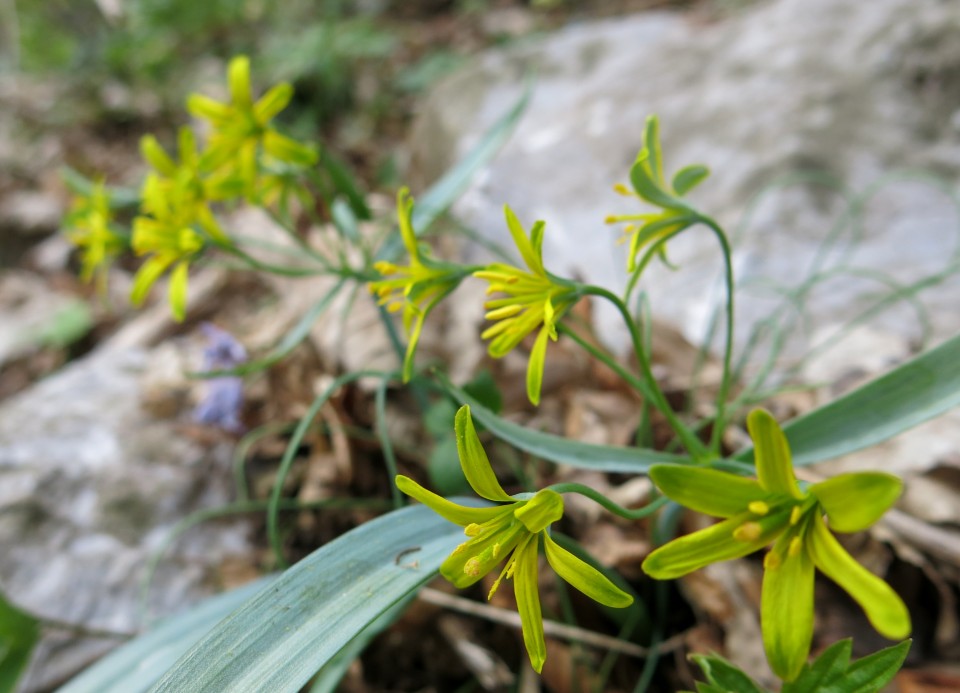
(280, 638)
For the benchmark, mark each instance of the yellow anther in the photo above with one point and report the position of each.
(611, 219)
(758, 508)
(772, 560)
(496, 550)
(459, 548)
(795, 545)
(795, 515)
(622, 189)
(493, 590)
(472, 567)
(472, 529)
(748, 531)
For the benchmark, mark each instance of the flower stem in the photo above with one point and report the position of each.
(651, 390)
(604, 358)
(720, 420)
(619, 510)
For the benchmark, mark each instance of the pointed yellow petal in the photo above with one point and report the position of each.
(772, 454)
(178, 291)
(458, 514)
(238, 79)
(884, 608)
(874, 492)
(271, 103)
(538, 361)
(474, 461)
(154, 155)
(147, 276)
(526, 589)
(584, 576)
(708, 491)
(527, 251)
(786, 610)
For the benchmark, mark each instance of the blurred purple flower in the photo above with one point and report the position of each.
(223, 400)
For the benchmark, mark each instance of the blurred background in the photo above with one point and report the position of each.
(832, 129)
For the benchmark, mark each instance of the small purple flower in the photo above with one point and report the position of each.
(223, 400)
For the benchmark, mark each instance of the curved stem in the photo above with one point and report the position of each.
(651, 389)
(603, 357)
(608, 504)
(719, 421)
(273, 508)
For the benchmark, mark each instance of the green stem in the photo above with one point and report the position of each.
(604, 358)
(384, 435)
(619, 510)
(720, 420)
(273, 508)
(651, 389)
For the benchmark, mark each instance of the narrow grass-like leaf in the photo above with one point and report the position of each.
(605, 458)
(284, 635)
(136, 665)
(445, 191)
(909, 395)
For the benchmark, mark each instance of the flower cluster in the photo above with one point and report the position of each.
(244, 156)
(649, 185)
(512, 530)
(90, 228)
(774, 509)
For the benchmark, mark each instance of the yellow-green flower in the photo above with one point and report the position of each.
(415, 288)
(535, 299)
(775, 509)
(197, 185)
(242, 134)
(89, 228)
(167, 232)
(511, 530)
(649, 185)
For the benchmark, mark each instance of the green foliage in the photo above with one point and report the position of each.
(831, 672)
(19, 633)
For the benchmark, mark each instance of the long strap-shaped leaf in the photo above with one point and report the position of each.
(910, 394)
(280, 638)
(604, 458)
(136, 665)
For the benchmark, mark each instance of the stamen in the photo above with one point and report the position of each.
(772, 560)
(795, 545)
(758, 508)
(795, 515)
(748, 531)
(472, 567)
(472, 529)
(496, 550)
(622, 189)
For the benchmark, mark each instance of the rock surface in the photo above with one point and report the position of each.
(838, 93)
(91, 486)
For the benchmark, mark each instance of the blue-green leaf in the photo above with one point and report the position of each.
(136, 665)
(605, 458)
(284, 635)
(907, 396)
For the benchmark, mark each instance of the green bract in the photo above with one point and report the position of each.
(774, 509)
(535, 298)
(514, 528)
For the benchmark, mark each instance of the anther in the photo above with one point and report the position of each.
(748, 531)
(795, 515)
(472, 567)
(795, 545)
(758, 508)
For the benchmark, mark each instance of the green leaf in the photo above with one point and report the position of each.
(828, 668)
(284, 635)
(136, 665)
(344, 181)
(443, 468)
(19, 633)
(561, 450)
(724, 675)
(874, 492)
(871, 673)
(912, 393)
(689, 177)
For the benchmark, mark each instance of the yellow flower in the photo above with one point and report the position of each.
(89, 224)
(242, 135)
(535, 299)
(416, 288)
(513, 531)
(649, 185)
(167, 232)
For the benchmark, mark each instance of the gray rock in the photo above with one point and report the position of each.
(90, 487)
(849, 90)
